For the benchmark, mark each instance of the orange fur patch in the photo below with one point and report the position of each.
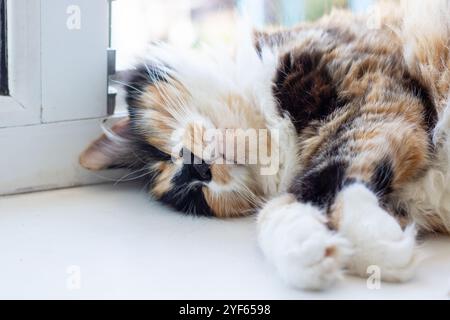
(163, 181)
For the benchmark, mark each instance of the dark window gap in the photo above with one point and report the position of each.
(4, 85)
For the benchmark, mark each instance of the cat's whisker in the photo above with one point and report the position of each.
(126, 179)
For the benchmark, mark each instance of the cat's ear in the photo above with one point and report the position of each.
(269, 38)
(112, 149)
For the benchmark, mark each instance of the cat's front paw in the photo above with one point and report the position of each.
(295, 239)
(396, 258)
(377, 237)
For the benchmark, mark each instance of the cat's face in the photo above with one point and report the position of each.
(201, 130)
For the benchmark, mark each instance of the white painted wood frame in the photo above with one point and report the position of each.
(58, 85)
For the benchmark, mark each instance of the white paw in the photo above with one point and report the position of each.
(377, 237)
(294, 238)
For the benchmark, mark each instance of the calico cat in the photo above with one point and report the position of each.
(357, 121)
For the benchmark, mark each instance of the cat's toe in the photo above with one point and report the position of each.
(315, 263)
(396, 259)
(306, 254)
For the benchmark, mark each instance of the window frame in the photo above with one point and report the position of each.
(40, 137)
(22, 105)
(4, 82)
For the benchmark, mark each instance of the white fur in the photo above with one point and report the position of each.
(428, 199)
(296, 241)
(426, 37)
(377, 237)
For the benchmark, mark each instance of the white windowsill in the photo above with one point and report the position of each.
(127, 246)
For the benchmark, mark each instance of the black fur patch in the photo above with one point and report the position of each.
(423, 93)
(136, 83)
(320, 186)
(184, 199)
(147, 152)
(382, 178)
(304, 89)
(181, 197)
(138, 80)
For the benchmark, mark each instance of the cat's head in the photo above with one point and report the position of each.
(201, 129)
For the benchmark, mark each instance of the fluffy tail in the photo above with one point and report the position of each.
(426, 36)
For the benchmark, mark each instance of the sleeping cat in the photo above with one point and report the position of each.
(356, 118)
